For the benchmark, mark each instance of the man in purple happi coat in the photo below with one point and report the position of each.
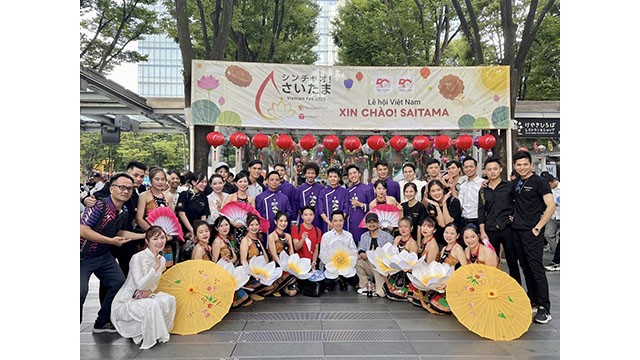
(359, 197)
(307, 193)
(287, 188)
(331, 199)
(270, 201)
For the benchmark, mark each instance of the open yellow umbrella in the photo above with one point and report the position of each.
(203, 291)
(489, 302)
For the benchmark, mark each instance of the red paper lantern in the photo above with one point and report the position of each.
(487, 141)
(351, 143)
(398, 142)
(284, 142)
(215, 138)
(307, 142)
(421, 143)
(464, 142)
(376, 142)
(260, 140)
(442, 142)
(331, 142)
(239, 139)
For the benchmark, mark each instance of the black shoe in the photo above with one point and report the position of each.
(542, 316)
(342, 284)
(105, 328)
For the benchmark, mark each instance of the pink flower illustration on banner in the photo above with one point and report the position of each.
(208, 83)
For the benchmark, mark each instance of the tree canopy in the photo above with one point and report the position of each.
(108, 27)
(168, 151)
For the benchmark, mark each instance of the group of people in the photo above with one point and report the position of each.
(457, 218)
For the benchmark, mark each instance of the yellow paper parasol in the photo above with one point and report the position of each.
(489, 302)
(203, 291)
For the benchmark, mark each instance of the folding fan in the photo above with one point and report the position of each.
(237, 211)
(388, 216)
(488, 244)
(167, 220)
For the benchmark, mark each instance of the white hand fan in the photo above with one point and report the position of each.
(388, 216)
(167, 220)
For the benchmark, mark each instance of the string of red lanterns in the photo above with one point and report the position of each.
(352, 143)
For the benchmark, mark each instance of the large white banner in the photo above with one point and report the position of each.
(341, 97)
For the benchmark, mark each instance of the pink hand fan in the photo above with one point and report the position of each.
(167, 220)
(487, 243)
(388, 215)
(237, 211)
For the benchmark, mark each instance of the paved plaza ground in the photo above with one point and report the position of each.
(337, 325)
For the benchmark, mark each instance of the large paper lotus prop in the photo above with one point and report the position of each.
(430, 276)
(381, 256)
(239, 274)
(404, 260)
(267, 274)
(295, 266)
(339, 260)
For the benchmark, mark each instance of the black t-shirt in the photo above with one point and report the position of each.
(455, 210)
(417, 213)
(194, 205)
(529, 202)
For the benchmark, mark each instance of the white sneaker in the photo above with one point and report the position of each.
(552, 267)
(362, 291)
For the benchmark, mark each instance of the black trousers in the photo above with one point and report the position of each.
(331, 283)
(556, 255)
(530, 249)
(123, 254)
(503, 238)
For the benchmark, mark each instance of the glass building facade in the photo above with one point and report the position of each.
(161, 75)
(325, 49)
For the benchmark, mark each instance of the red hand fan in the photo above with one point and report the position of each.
(388, 215)
(237, 211)
(167, 220)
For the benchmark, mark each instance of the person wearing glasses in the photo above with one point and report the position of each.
(103, 225)
(124, 252)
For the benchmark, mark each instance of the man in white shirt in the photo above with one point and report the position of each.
(99, 183)
(331, 237)
(468, 194)
(409, 173)
(256, 187)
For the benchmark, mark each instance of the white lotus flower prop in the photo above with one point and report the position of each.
(239, 274)
(403, 261)
(430, 276)
(267, 274)
(339, 260)
(295, 266)
(378, 257)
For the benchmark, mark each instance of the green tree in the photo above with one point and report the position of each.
(254, 31)
(541, 78)
(108, 27)
(164, 150)
(398, 33)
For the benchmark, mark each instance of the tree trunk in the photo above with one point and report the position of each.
(186, 48)
(205, 35)
(474, 43)
(222, 37)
